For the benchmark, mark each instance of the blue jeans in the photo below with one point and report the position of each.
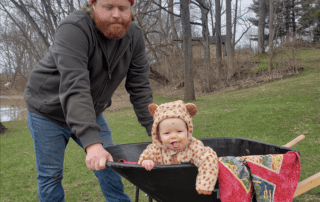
(50, 141)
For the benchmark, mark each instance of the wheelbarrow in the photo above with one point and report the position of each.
(166, 183)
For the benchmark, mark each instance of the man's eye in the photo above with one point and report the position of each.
(123, 8)
(108, 7)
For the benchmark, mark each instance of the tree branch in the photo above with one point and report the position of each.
(23, 32)
(23, 9)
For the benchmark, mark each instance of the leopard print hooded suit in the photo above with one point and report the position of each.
(195, 152)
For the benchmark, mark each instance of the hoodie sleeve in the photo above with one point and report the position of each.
(207, 162)
(137, 82)
(152, 152)
(70, 53)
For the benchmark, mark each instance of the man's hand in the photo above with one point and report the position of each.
(96, 157)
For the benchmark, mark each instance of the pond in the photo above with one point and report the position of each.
(12, 108)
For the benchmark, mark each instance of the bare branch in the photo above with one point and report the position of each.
(22, 8)
(24, 33)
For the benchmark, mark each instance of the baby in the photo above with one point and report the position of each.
(172, 143)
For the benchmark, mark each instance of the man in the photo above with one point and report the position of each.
(93, 51)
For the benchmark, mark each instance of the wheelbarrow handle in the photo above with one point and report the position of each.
(307, 184)
(294, 141)
(106, 164)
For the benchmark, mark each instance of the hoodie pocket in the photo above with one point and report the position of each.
(52, 108)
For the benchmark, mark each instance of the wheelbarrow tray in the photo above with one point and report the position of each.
(166, 183)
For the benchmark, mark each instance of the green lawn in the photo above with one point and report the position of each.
(275, 112)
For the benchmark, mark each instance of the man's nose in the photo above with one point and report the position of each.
(116, 13)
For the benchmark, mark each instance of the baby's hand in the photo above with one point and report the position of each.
(147, 164)
(204, 192)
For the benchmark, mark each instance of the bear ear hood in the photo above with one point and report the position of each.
(176, 109)
(192, 109)
(152, 108)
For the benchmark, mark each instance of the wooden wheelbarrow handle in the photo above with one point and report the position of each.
(294, 141)
(307, 184)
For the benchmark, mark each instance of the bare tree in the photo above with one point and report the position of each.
(212, 14)
(24, 10)
(228, 40)
(271, 34)
(172, 25)
(293, 19)
(218, 36)
(27, 31)
(235, 26)
(262, 17)
(204, 7)
(287, 6)
(189, 94)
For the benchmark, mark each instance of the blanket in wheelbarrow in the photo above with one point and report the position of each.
(272, 178)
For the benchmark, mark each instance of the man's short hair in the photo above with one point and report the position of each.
(89, 10)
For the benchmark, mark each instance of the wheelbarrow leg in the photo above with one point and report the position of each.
(137, 194)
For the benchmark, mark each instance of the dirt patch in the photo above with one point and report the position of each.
(243, 78)
(10, 86)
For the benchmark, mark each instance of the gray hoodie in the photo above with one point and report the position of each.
(74, 82)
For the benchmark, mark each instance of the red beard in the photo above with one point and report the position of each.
(112, 29)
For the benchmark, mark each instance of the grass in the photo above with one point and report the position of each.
(275, 112)
(280, 60)
(265, 66)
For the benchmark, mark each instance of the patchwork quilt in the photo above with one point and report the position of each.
(268, 178)
(273, 178)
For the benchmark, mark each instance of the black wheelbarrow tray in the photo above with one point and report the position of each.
(166, 183)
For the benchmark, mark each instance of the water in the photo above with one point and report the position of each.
(12, 108)
(11, 113)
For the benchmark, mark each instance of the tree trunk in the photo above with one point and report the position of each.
(173, 29)
(271, 31)
(293, 19)
(208, 80)
(2, 128)
(218, 38)
(205, 32)
(287, 18)
(228, 40)
(212, 25)
(262, 17)
(235, 26)
(316, 30)
(189, 94)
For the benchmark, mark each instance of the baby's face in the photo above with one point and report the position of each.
(173, 133)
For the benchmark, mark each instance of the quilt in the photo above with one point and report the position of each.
(268, 178)
(273, 178)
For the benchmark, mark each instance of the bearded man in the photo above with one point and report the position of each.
(94, 49)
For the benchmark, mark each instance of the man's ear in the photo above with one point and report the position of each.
(94, 4)
(152, 108)
(192, 109)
